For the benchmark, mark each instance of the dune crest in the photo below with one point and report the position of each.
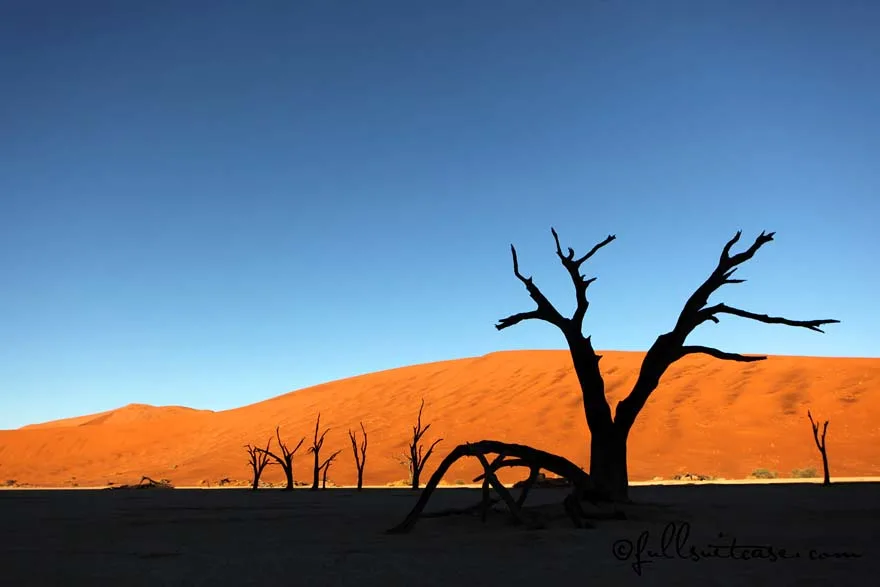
(707, 417)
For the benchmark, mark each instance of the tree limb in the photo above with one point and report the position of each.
(710, 314)
(581, 284)
(690, 350)
(545, 310)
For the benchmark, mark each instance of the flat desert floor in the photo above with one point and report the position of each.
(336, 537)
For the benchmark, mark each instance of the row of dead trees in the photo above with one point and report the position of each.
(259, 458)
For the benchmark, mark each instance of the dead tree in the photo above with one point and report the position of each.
(417, 456)
(285, 460)
(820, 444)
(608, 463)
(514, 455)
(315, 449)
(258, 459)
(360, 455)
(325, 466)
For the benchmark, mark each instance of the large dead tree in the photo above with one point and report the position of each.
(258, 459)
(360, 455)
(609, 434)
(315, 450)
(285, 459)
(417, 456)
(820, 444)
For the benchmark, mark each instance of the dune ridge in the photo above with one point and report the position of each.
(708, 417)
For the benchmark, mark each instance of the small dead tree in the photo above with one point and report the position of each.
(609, 433)
(417, 456)
(325, 466)
(360, 455)
(258, 459)
(315, 449)
(285, 460)
(820, 444)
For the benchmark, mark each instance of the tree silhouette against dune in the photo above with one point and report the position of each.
(285, 459)
(608, 460)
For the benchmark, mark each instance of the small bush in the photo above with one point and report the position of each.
(459, 482)
(763, 474)
(11, 482)
(807, 473)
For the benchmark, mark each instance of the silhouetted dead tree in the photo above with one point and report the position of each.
(258, 459)
(285, 460)
(325, 466)
(820, 444)
(608, 462)
(360, 455)
(417, 456)
(315, 449)
(514, 455)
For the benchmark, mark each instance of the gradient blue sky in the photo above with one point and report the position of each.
(213, 203)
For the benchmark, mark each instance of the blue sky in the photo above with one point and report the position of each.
(213, 203)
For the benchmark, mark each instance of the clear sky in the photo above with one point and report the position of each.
(210, 203)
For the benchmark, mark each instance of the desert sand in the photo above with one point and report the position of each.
(708, 417)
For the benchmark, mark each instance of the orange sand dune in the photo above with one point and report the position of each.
(708, 417)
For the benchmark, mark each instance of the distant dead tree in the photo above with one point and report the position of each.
(360, 455)
(325, 466)
(417, 456)
(820, 444)
(315, 449)
(285, 460)
(258, 459)
(608, 435)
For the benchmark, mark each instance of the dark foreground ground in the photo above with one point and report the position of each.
(335, 537)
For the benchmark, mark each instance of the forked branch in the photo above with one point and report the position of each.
(417, 456)
(258, 459)
(325, 466)
(285, 460)
(670, 347)
(545, 310)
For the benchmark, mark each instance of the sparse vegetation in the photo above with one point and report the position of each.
(763, 474)
(807, 473)
(692, 477)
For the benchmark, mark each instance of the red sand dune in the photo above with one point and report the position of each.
(708, 416)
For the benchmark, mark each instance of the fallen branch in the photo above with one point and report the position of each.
(582, 487)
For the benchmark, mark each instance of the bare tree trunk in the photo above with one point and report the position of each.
(608, 466)
(315, 449)
(316, 474)
(820, 444)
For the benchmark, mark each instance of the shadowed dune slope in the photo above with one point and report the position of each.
(708, 416)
